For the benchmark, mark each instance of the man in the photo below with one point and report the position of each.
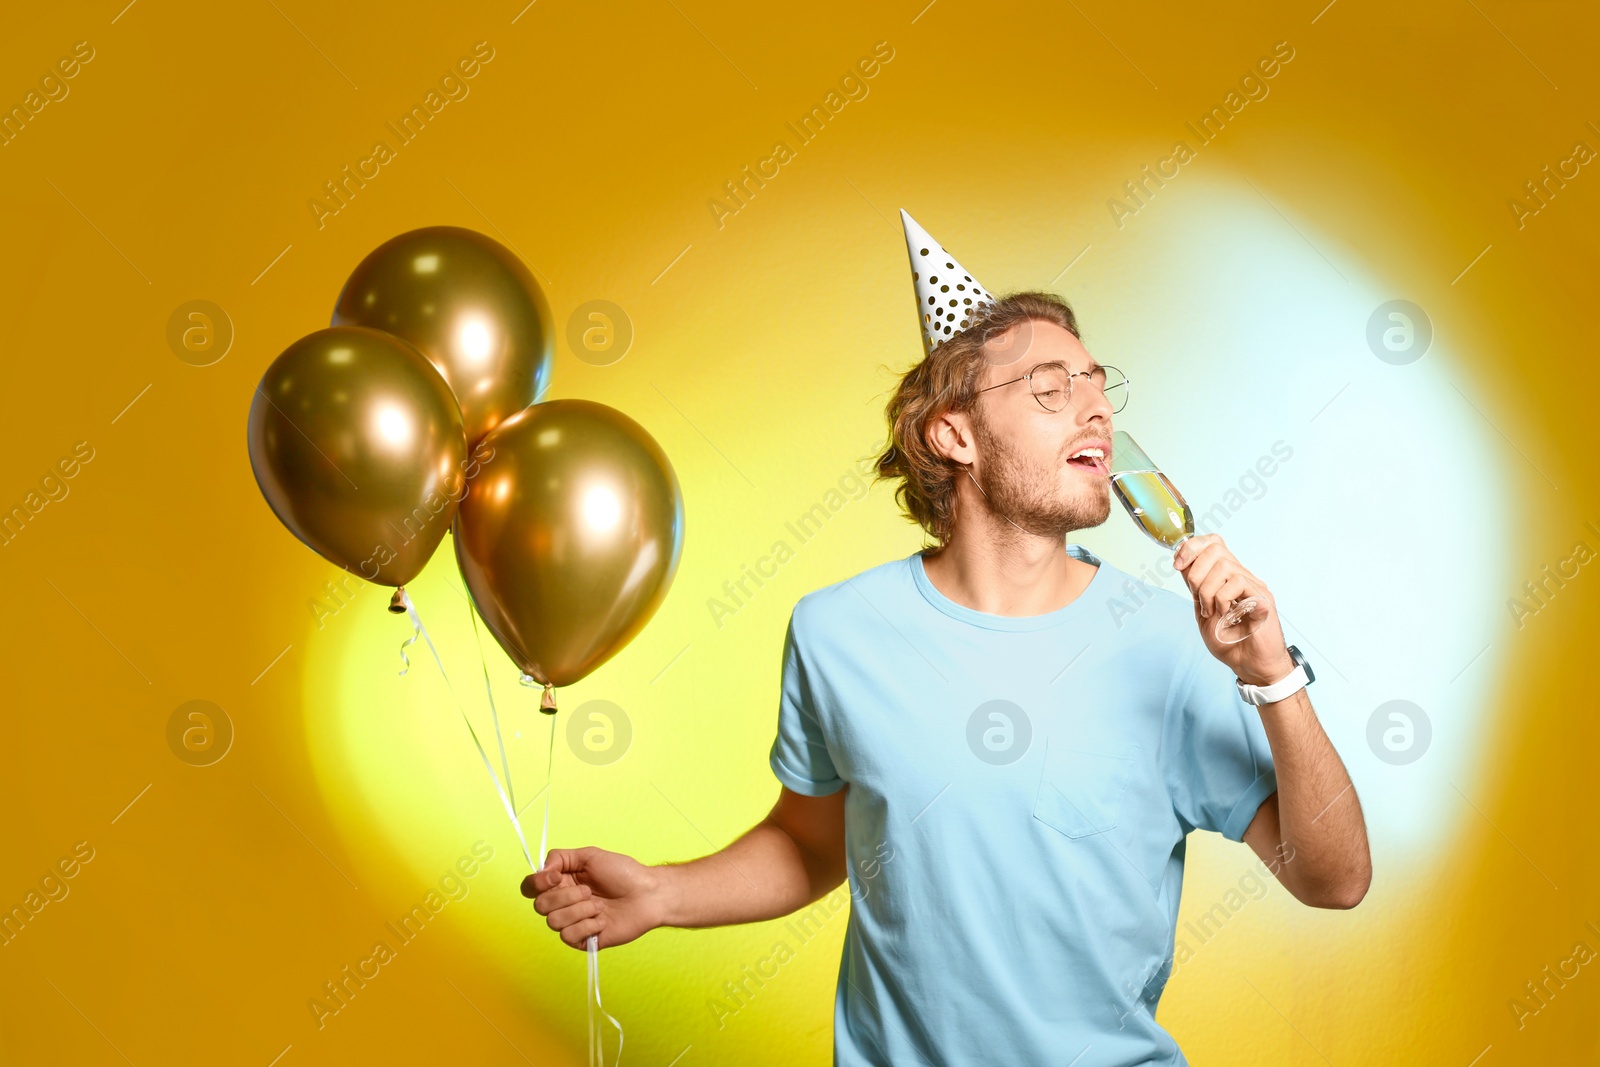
(1005, 774)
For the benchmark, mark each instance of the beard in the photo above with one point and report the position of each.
(1030, 493)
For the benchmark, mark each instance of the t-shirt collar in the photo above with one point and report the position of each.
(1080, 604)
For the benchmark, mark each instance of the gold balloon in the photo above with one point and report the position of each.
(569, 536)
(470, 305)
(356, 442)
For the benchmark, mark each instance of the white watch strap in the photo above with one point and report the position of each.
(1271, 694)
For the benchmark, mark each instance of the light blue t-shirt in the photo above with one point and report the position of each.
(1020, 792)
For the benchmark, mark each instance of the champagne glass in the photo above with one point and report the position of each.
(1162, 513)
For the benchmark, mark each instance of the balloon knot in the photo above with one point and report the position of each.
(397, 603)
(547, 703)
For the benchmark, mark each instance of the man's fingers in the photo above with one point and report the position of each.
(570, 907)
(1199, 553)
(561, 865)
(544, 880)
(576, 934)
(563, 919)
(552, 900)
(1227, 591)
(1192, 548)
(1201, 562)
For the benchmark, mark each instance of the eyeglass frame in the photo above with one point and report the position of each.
(1126, 382)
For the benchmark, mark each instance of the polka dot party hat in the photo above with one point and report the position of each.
(946, 293)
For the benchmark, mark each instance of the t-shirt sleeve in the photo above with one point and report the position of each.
(1220, 767)
(800, 757)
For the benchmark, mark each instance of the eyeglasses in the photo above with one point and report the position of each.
(1051, 384)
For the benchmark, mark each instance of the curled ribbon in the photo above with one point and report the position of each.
(403, 657)
(596, 1056)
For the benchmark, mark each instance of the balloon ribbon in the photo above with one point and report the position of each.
(592, 944)
(417, 629)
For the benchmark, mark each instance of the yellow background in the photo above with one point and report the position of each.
(180, 166)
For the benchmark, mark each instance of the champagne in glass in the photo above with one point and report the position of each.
(1166, 518)
(1156, 505)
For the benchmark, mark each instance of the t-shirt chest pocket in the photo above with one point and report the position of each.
(1081, 787)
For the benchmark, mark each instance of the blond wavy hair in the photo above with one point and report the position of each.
(945, 381)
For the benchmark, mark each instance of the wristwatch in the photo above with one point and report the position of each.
(1293, 682)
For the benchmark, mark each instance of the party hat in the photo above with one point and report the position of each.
(946, 294)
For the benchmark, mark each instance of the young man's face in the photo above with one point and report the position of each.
(1023, 449)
